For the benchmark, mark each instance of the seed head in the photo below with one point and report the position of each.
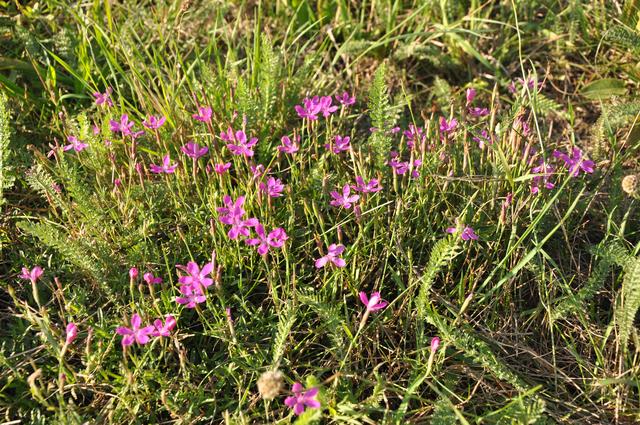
(270, 384)
(630, 184)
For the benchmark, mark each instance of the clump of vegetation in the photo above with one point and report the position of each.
(310, 212)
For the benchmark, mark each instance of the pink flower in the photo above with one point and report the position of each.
(288, 145)
(344, 200)
(275, 239)
(369, 187)
(195, 277)
(414, 135)
(310, 109)
(135, 333)
(478, 112)
(471, 94)
(448, 126)
(576, 162)
(257, 170)
(325, 106)
(166, 166)
(466, 234)
(191, 296)
(374, 303)
(103, 98)
(153, 122)
(546, 172)
(71, 333)
(133, 273)
(227, 136)
(341, 144)
(33, 275)
(151, 279)
(203, 115)
(301, 399)
(333, 256)
(75, 144)
(123, 126)
(164, 329)
(242, 147)
(482, 139)
(222, 168)
(435, 343)
(232, 214)
(193, 150)
(399, 167)
(415, 173)
(346, 99)
(273, 187)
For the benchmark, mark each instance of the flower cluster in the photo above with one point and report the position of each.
(142, 334)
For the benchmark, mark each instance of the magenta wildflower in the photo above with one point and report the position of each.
(414, 135)
(333, 256)
(166, 166)
(325, 106)
(471, 94)
(232, 214)
(104, 98)
(123, 126)
(191, 296)
(193, 150)
(222, 168)
(341, 144)
(135, 333)
(133, 273)
(478, 112)
(302, 399)
(273, 187)
(374, 303)
(448, 126)
(435, 343)
(415, 173)
(310, 109)
(257, 170)
(288, 145)
(203, 115)
(399, 167)
(33, 275)
(227, 135)
(371, 186)
(75, 144)
(482, 139)
(151, 279)
(344, 200)
(345, 99)
(153, 122)
(196, 277)
(95, 129)
(275, 239)
(576, 162)
(71, 333)
(466, 234)
(164, 329)
(546, 172)
(243, 147)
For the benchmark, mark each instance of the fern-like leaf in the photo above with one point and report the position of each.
(382, 119)
(625, 312)
(6, 176)
(286, 320)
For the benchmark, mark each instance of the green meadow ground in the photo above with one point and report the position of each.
(536, 318)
